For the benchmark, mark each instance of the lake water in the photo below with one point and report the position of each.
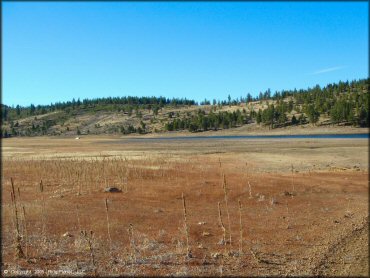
(305, 136)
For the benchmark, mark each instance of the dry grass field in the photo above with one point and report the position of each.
(187, 207)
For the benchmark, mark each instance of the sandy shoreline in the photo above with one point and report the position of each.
(267, 154)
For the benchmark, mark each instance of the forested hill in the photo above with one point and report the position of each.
(343, 103)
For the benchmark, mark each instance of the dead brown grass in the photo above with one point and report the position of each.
(141, 230)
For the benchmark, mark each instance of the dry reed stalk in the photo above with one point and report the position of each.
(43, 211)
(223, 241)
(293, 189)
(287, 218)
(130, 231)
(21, 223)
(78, 218)
(41, 187)
(250, 190)
(78, 184)
(246, 166)
(188, 253)
(19, 193)
(13, 218)
(108, 223)
(240, 228)
(25, 230)
(224, 185)
(18, 246)
(89, 239)
(348, 210)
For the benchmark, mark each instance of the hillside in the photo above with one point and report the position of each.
(341, 104)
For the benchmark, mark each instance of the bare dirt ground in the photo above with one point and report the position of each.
(292, 207)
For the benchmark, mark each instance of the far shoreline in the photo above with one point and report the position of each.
(246, 130)
(255, 130)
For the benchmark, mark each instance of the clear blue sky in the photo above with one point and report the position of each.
(59, 51)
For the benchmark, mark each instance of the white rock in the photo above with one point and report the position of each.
(67, 235)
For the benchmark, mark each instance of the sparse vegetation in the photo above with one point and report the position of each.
(239, 214)
(342, 103)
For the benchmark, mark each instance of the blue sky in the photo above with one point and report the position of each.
(59, 51)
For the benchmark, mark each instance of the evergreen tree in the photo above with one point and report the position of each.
(259, 116)
(313, 114)
(294, 120)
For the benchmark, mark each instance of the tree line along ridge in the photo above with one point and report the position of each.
(344, 103)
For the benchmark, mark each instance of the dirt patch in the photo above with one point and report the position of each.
(349, 256)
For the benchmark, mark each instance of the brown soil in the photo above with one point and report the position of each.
(309, 221)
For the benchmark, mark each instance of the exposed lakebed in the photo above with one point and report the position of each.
(231, 137)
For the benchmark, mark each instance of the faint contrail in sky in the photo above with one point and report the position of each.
(328, 70)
